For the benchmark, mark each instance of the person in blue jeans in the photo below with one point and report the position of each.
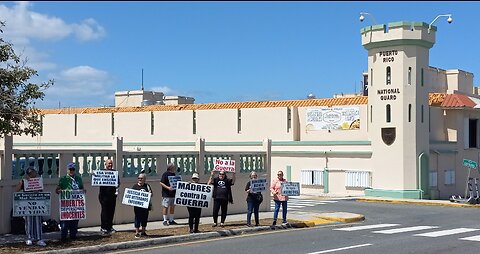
(276, 190)
(254, 199)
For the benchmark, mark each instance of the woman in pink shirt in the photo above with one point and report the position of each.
(276, 189)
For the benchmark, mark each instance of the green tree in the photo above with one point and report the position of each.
(18, 96)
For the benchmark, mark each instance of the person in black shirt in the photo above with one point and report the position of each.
(254, 199)
(108, 200)
(168, 196)
(194, 213)
(222, 195)
(141, 214)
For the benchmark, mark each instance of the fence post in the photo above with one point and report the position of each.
(6, 166)
(118, 159)
(200, 148)
(267, 147)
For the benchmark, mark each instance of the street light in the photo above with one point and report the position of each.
(363, 17)
(449, 20)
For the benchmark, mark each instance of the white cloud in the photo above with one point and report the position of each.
(80, 82)
(23, 24)
(165, 90)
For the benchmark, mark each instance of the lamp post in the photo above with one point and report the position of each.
(362, 17)
(449, 20)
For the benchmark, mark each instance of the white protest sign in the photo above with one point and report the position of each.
(31, 204)
(105, 178)
(33, 184)
(173, 181)
(258, 185)
(193, 194)
(136, 198)
(225, 165)
(72, 205)
(291, 189)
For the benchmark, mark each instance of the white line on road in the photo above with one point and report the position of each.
(366, 227)
(472, 238)
(447, 232)
(343, 248)
(403, 230)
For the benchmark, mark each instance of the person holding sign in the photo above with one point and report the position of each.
(141, 214)
(33, 224)
(254, 199)
(278, 198)
(168, 196)
(222, 195)
(70, 181)
(194, 213)
(107, 196)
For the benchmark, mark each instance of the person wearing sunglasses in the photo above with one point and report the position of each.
(254, 199)
(141, 214)
(222, 195)
(278, 198)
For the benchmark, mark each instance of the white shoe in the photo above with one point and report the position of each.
(28, 242)
(41, 243)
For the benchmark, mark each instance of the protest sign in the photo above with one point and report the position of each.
(258, 185)
(173, 181)
(33, 184)
(72, 205)
(31, 204)
(105, 178)
(224, 165)
(291, 189)
(193, 194)
(136, 198)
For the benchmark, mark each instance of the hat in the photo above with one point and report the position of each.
(71, 165)
(195, 175)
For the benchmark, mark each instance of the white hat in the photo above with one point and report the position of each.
(195, 175)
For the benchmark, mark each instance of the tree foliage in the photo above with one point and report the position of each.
(18, 96)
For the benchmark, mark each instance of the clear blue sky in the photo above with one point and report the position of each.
(218, 51)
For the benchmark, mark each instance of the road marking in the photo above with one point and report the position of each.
(403, 230)
(448, 232)
(366, 227)
(471, 238)
(343, 248)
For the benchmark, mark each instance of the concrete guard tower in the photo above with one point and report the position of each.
(398, 110)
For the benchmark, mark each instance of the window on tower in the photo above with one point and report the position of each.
(409, 75)
(389, 114)
(389, 75)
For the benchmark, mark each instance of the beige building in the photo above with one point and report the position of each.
(407, 138)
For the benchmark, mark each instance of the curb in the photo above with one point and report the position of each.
(412, 202)
(345, 220)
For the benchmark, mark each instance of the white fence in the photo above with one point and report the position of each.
(362, 179)
(311, 177)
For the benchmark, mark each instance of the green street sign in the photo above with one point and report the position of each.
(470, 164)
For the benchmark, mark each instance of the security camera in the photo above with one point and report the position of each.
(449, 20)
(362, 18)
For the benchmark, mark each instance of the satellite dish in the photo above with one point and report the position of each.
(311, 96)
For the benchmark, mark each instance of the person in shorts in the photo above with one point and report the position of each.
(168, 196)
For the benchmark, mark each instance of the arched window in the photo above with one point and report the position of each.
(422, 113)
(389, 75)
(371, 113)
(421, 77)
(389, 114)
(409, 113)
(409, 76)
(371, 77)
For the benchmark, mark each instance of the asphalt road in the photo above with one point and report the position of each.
(388, 228)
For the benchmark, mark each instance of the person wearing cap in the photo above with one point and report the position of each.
(194, 213)
(70, 181)
(168, 196)
(33, 224)
(254, 199)
(107, 196)
(222, 195)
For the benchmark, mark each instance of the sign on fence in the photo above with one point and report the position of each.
(225, 165)
(291, 189)
(193, 194)
(136, 198)
(258, 185)
(33, 184)
(105, 178)
(72, 205)
(31, 204)
(173, 181)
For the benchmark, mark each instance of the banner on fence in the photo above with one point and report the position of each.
(193, 194)
(291, 189)
(173, 181)
(33, 184)
(72, 205)
(258, 185)
(224, 165)
(105, 178)
(31, 204)
(136, 198)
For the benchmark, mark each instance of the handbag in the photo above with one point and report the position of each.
(259, 198)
